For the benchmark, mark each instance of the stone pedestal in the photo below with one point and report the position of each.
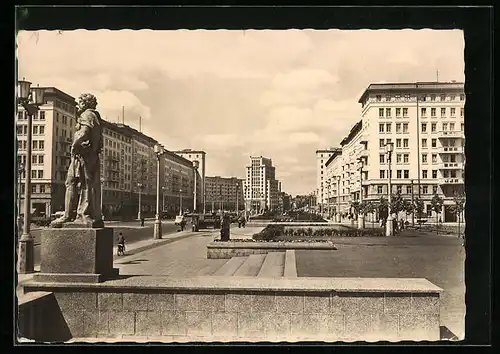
(26, 257)
(72, 254)
(157, 230)
(361, 221)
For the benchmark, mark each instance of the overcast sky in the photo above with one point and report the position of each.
(280, 94)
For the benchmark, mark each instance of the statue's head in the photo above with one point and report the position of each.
(86, 101)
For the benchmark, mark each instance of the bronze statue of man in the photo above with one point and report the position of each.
(83, 190)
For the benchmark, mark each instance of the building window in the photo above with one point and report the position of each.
(424, 174)
(434, 173)
(452, 126)
(405, 127)
(406, 174)
(434, 189)
(399, 189)
(423, 111)
(461, 112)
(434, 158)
(424, 158)
(378, 98)
(452, 97)
(387, 112)
(462, 97)
(442, 97)
(408, 189)
(462, 126)
(398, 112)
(35, 145)
(433, 127)
(398, 127)
(382, 174)
(380, 112)
(433, 112)
(433, 97)
(398, 158)
(398, 143)
(443, 112)
(42, 188)
(425, 189)
(405, 112)
(406, 158)
(33, 174)
(424, 143)
(433, 143)
(381, 143)
(405, 143)
(452, 112)
(33, 188)
(42, 130)
(424, 127)
(398, 174)
(379, 190)
(445, 126)
(388, 98)
(35, 130)
(381, 128)
(388, 127)
(382, 158)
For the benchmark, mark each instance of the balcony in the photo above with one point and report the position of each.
(451, 165)
(444, 134)
(451, 150)
(451, 180)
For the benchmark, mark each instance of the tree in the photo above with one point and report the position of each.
(437, 206)
(382, 208)
(396, 203)
(355, 205)
(459, 207)
(407, 207)
(418, 207)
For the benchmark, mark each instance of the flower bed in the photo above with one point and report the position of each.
(289, 233)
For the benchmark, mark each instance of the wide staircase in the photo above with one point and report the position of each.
(270, 265)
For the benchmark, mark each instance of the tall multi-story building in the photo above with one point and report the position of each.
(222, 193)
(321, 157)
(52, 133)
(261, 186)
(425, 122)
(200, 156)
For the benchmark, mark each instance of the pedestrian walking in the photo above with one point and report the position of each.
(121, 244)
(401, 224)
(142, 221)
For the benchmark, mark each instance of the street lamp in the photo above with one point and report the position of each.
(31, 99)
(361, 216)
(102, 192)
(20, 170)
(338, 199)
(139, 213)
(196, 164)
(180, 203)
(389, 227)
(159, 151)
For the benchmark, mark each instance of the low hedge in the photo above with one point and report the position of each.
(272, 232)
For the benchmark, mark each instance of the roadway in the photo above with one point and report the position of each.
(132, 231)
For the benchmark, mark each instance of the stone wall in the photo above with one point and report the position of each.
(286, 310)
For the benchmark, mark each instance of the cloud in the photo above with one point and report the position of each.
(303, 138)
(304, 79)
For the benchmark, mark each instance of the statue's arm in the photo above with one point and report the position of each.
(80, 136)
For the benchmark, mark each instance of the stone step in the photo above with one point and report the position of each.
(230, 266)
(290, 264)
(251, 266)
(273, 265)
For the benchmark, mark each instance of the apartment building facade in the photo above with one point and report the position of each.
(224, 193)
(200, 156)
(52, 133)
(425, 122)
(322, 157)
(261, 188)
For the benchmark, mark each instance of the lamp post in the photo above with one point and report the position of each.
(159, 151)
(361, 216)
(195, 167)
(338, 199)
(31, 99)
(102, 192)
(412, 206)
(20, 170)
(139, 213)
(180, 201)
(164, 189)
(389, 227)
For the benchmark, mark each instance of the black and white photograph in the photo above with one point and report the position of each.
(255, 185)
